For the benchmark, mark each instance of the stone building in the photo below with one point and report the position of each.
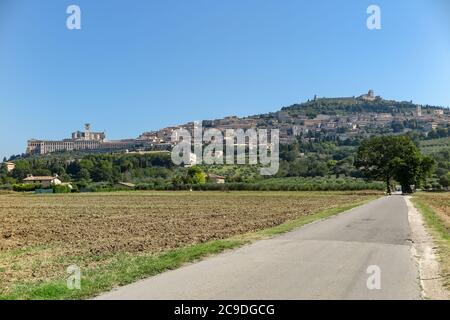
(9, 166)
(370, 96)
(44, 181)
(86, 140)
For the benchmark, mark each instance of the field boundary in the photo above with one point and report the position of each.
(126, 268)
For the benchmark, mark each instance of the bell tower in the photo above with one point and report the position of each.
(419, 111)
(87, 131)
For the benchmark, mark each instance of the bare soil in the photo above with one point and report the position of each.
(41, 234)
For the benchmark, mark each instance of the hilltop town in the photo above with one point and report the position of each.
(343, 119)
(318, 138)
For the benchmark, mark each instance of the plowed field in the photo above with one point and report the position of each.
(40, 235)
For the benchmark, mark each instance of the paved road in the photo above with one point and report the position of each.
(323, 260)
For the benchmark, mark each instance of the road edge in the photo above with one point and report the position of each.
(424, 252)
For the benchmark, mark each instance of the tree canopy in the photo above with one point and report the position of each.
(394, 157)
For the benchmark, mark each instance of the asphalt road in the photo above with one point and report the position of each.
(329, 259)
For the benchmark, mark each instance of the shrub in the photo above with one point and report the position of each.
(25, 187)
(61, 189)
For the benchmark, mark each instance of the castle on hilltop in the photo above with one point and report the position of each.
(370, 96)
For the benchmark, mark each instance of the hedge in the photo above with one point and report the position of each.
(25, 187)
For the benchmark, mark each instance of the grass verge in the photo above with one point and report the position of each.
(441, 236)
(126, 268)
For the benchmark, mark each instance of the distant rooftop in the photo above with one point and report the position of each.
(40, 178)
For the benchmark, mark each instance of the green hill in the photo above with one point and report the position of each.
(352, 105)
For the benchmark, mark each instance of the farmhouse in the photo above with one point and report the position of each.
(45, 181)
(9, 166)
(215, 178)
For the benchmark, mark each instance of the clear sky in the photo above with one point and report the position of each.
(140, 65)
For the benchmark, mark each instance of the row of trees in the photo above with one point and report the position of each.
(97, 168)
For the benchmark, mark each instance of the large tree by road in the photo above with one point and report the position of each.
(393, 157)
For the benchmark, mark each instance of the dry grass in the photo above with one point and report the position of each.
(436, 210)
(40, 235)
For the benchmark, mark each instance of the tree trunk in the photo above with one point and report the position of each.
(388, 185)
(406, 189)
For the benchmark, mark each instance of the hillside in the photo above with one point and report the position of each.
(318, 140)
(346, 106)
(347, 119)
(435, 145)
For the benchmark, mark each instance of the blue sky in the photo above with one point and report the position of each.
(141, 65)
